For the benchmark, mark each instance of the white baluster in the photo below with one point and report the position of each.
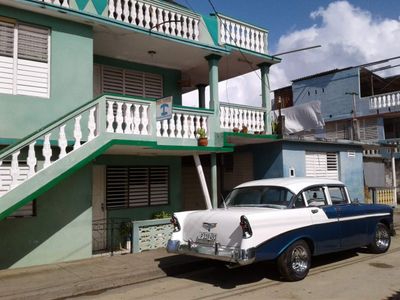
(172, 127)
(133, 13)
(140, 15)
(118, 10)
(221, 117)
(185, 127)
(223, 31)
(136, 119)
(145, 119)
(262, 121)
(242, 37)
(263, 45)
(110, 116)
(14, 172)
(128, 119)
(179, 125)
(119, 118)
(205, 124)
(147, 15)
(228, 32)
(192, 130)
(164, 128)
(257, 45)
(251, 39)
(125, 12)
(65, 4)
(153, 19)
(173, 23)
(77, 132)
(62, 142)
(31, 160)
(160, 27)
(190, 28)
(158, 128)
(111, 8)
(184, 27)
(47, 152)
(247, 38)
(178, 25)
(92, 124)
(196, 30)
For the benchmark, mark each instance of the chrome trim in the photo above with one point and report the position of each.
(216, 251)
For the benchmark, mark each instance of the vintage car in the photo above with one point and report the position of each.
(284, 219)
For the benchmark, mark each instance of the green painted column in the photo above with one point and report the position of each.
(214, 187)
(213, 61)
(265, 96)
(202, 95)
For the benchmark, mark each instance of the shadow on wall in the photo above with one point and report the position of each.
(60, 231)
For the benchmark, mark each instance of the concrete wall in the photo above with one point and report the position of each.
(71, 73)
(61, 231)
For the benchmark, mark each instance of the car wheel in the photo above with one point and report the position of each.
(381, 240)
(294, 263)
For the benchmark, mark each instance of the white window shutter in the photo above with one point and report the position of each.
(6, 57)
(322, 165)
(33, 61)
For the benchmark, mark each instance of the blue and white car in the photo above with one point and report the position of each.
(284, 219)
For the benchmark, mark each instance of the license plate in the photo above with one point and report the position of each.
(206, 238)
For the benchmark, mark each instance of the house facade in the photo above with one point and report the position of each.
(84, 142)
(357, 104)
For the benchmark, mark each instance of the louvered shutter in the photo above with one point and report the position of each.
(322, 165)
(368, 129)
(33, 61)
(6, 57)
(137, 186)
(132, 83)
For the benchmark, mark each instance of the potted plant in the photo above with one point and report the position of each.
(202, 137)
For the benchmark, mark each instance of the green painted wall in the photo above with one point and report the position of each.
(61, 231)
(144, 213)
(71, 73)
(170, 76)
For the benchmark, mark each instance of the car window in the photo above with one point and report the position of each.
(338, 195)
(315, 196)
(263, 196)
(299, 201)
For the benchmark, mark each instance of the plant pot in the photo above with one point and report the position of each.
(235, 130)
(202, 142)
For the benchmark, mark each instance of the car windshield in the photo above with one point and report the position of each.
(260, 196)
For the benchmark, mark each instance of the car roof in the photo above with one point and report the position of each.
(295, 184)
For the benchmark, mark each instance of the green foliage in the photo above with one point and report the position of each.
(161, 215)
(202, 133)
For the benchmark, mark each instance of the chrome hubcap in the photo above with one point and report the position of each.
(382, 238)
(299, 259)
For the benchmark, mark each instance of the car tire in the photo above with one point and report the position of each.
(295, 262)
(381, 239)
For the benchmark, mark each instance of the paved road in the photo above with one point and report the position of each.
(349, 275)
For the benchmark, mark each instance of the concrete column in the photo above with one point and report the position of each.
(202, 181)
(214, 180)
(266, 99)
(202, 95)
(394, 179)
(213, 61)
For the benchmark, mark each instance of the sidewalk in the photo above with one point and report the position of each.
(90, 275)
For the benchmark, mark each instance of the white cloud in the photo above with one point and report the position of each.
(348, 35)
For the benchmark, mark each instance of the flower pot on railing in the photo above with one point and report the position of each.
(202, 142)
(202, 139)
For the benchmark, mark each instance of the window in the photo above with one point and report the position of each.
(315, 196)
(128, 187)
(24, 59)
(299, 202)
(322, 165)
(132, 83)
(338, 195)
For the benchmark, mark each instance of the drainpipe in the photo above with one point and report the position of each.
(203, 182)
(394, 179)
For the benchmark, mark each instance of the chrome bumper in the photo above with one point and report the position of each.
(218, 252)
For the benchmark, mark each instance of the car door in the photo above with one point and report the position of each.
(353, 225)
(326, 228)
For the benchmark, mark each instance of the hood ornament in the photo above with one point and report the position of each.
(209, 226)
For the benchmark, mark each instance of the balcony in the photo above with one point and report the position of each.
(385, 100)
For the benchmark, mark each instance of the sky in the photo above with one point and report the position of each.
(350, 33)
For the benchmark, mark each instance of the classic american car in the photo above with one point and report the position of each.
(284, 219)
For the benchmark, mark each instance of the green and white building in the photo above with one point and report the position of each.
(80, 141)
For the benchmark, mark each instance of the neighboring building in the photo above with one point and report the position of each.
(356, 104)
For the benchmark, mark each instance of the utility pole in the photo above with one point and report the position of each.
(354, 122)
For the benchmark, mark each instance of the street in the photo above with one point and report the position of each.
(348, 275)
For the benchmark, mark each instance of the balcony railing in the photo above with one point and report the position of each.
(63, 3)
(236, 33)
(384, 100)
(382, 195)
(233, 116)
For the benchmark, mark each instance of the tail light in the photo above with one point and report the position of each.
(244, 223)
(175, 223)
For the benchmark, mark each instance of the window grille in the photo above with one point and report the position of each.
(322, 165)
(137, 186)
